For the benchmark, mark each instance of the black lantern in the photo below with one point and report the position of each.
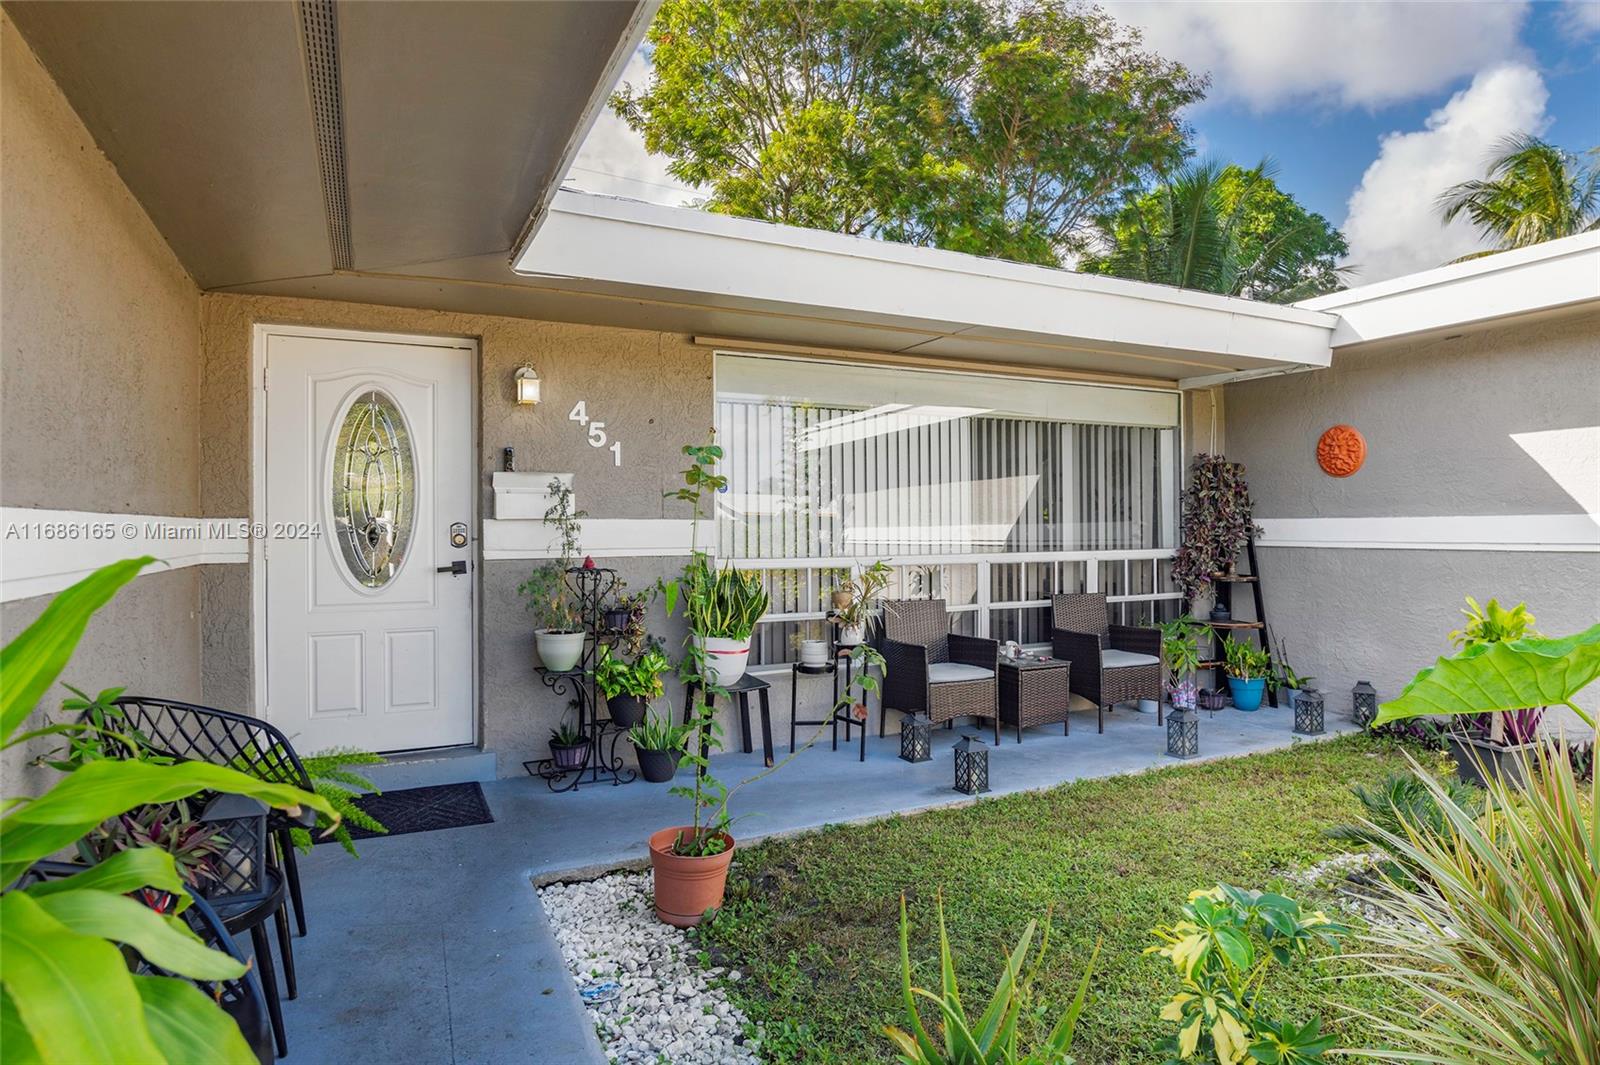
(972, 766)
(1365, 703)
(916, 738)
(1308, 712)
(236, 873)
(1183, 734)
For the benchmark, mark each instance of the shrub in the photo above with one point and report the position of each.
(1498, 932)
(1224, 949)
(1401, 805)
(1217, 522)
(993, 1037)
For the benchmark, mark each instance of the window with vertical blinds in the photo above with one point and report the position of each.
(978, 489)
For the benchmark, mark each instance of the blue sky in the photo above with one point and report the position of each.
(1368, 108)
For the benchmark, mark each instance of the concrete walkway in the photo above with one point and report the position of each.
(433, 947)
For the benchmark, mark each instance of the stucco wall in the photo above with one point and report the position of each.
(1438, 417)
(653, 390)
(99, 378)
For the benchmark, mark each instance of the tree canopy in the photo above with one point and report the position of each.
(999, 129)
(1532, 191)
(1224, 229)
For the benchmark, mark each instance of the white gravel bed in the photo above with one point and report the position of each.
(670, 1009)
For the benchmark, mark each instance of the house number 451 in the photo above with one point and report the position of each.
(597, 431)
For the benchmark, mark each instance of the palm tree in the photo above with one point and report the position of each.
(1221, 228)
(1532, 191)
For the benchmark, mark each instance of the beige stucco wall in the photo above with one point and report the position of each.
(1438, 416)
(99, 376)
(653, 390)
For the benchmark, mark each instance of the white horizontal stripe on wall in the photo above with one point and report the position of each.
(43, 551)
(1468, 532)
(602, 538)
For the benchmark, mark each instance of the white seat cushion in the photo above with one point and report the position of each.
(1111, 658)
(944, 672)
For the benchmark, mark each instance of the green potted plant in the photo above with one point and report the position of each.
(1248, 668)
(723, 605)
(569, 747)
(658, 742)
(560, 636)
(1287, 680)
(1494, 745)
(1180, 653)
(855, 602)
(1217, 523)
(629, 686)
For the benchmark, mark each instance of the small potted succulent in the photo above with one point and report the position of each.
(658, 742)
(1180, 652)
(1248, 668)
(569, 747)
(629, 686)
(855, 603)
(560, 637)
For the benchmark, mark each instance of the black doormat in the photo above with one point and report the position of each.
(423, 810)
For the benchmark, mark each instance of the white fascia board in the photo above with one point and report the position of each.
(1557, 273)
(727, 260)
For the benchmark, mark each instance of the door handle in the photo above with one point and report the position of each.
(455, 569)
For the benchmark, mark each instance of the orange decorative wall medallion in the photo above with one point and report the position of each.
(1341, 451)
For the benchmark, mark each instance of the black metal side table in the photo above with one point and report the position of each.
(741, 690)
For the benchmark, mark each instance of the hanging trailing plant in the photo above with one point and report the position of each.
(1217, 522)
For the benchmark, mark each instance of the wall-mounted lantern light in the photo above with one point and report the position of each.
(527, 386)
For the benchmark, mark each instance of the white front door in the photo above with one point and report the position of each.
(369, 499)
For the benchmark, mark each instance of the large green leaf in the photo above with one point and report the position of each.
(30, 663)
(119, 874)
(164, 941)
(188, 1026)
(16, 1045)
(73, 993)
(103, 789)
(1501, 676)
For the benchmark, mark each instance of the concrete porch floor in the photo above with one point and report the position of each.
(433, 947)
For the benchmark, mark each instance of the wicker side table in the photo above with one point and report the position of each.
(1035, 692)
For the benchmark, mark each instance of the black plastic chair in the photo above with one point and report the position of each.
(240, 999)
(204, 734)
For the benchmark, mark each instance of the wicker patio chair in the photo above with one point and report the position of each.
(1110, 663)
(930, 670)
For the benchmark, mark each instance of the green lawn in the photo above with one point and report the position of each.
(812, 921)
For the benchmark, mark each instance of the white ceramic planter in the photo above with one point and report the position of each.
(725, 659)
(559, 651)
(850, 635)
(813, 653)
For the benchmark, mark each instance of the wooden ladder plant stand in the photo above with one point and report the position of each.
(1225, 585)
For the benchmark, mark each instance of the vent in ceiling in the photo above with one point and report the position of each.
(320, 31)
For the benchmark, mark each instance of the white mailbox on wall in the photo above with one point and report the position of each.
(525, 496)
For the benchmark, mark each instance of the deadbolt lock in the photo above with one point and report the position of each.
(458, 534)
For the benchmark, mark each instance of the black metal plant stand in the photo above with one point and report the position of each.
(592, 586)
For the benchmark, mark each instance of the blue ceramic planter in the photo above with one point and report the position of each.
(1247, 693)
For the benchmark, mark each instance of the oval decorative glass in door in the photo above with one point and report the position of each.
(374, 498)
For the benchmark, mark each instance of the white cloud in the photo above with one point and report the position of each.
(613, 159)
(1393, 225)
(1581, 18)
(1272, 55)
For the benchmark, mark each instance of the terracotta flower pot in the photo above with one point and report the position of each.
(687, 887)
